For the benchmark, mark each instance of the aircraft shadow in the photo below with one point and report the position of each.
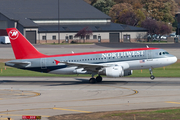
(82, 81)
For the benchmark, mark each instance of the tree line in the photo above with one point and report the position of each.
(157, 16)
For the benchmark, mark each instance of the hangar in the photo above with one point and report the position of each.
(56, 21)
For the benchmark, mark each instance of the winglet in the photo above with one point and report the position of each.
(22, 48)
(57, 62)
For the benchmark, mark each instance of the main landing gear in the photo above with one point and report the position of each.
(151, 72)
(94, 80)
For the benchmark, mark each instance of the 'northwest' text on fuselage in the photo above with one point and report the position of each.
(122, 54)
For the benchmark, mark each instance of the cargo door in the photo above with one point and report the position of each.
(43, 63)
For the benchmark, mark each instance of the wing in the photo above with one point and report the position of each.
(97, 67)
(87, 66)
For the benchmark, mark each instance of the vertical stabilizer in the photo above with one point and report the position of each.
(22, 48)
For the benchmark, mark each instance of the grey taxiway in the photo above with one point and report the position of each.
(47, 96)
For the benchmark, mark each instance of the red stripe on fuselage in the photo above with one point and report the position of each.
(101, 52)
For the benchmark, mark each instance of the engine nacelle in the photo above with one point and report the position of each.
(114, 71)
(128, 72)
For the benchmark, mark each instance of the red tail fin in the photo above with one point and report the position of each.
(22, 48)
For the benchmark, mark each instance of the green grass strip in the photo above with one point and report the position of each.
(164, 114)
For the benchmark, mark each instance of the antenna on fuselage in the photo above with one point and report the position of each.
(72, 52)
(147, 46)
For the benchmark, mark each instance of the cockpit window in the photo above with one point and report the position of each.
(163, 53)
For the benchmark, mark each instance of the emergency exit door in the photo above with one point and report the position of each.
(149, 55)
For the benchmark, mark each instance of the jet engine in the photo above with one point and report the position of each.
(116, 71)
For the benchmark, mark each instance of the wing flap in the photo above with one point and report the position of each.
(80, 65)
(87, 66)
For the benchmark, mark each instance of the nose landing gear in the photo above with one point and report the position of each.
(152, 77)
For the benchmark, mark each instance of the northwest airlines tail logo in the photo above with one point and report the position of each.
(13, 34)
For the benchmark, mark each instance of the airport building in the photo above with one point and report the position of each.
(56, 21)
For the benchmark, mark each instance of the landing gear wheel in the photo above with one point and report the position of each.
(151, 72)
(92, 80)
(152, 77)
(99, 78)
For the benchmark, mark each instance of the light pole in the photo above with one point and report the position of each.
(58, 25)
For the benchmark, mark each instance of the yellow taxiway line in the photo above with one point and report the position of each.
(5, 119)
(173, 102)
(55, 108)
(71, 110)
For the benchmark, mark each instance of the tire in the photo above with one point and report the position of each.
(92, 80)
(152, 77)
(99, 79)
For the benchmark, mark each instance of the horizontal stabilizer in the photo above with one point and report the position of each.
(14, 63)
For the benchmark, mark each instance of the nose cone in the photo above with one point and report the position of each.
(173, 59)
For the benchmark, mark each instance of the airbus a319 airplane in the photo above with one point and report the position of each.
(112, 63)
